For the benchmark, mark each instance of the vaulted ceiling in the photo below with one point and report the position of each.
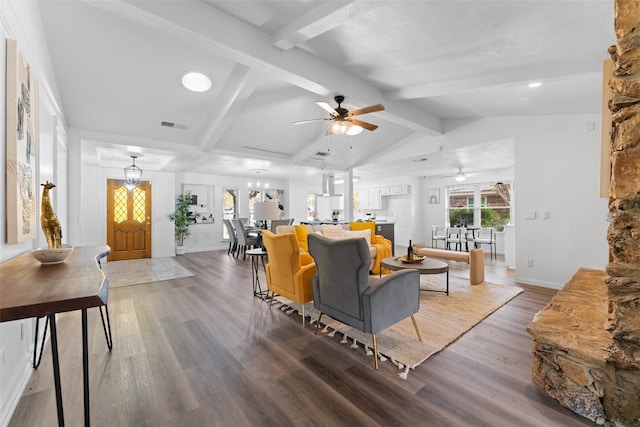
(118, 66)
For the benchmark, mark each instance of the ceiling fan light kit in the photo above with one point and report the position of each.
(460, 176)
(343, 121)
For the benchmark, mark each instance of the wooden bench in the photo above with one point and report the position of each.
(475, 259)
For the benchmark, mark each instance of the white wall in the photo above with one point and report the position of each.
(558, 172)
(206, 237)
(298, 190)
(436, 214)
(92, 222)
(20, 20)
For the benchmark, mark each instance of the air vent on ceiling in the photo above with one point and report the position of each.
(322, 153)
(173, 125)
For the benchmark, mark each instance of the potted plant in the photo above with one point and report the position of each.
(183, 219)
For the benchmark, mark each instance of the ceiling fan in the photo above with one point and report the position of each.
(343, 119)
(460, 176)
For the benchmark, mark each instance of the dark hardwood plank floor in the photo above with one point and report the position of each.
(202, 351)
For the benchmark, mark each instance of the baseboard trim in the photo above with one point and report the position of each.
(541, 283)
(15, 392)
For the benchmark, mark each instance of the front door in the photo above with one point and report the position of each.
(128, 220)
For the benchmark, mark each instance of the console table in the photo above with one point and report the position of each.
(30, 289)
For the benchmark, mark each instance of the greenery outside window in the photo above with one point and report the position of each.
(312, 206)
(493, 211)
(229, 207)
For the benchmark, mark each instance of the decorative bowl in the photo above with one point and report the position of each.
(415, 260)
(52, 256)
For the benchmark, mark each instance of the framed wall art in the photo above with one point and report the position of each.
(21, 147)
(433, 196)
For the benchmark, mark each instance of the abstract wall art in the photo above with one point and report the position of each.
(21, 147)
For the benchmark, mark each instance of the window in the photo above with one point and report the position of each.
(312, 206)
(229, 207)
(494, 209)
(255, 195)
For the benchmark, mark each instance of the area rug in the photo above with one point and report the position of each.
(139, 271)
(442, 319)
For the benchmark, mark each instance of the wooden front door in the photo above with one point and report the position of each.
(128, 220)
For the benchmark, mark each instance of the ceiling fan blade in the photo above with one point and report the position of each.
(309, 121)
(365, 110)
(328, 108)
(364, 125)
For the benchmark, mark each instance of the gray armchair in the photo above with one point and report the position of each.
(342, 290)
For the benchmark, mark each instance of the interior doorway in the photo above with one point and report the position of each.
(128, 220)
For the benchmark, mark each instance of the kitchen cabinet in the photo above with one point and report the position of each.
(374, 198)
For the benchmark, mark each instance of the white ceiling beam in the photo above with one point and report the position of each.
(233, 96)
(318, 21)
(226, 36)
(512, 78)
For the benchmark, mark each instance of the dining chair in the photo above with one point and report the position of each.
(456, 236)
(438, 234)
(233, 238)
(276, 222)
(244, 240)
(486, 236)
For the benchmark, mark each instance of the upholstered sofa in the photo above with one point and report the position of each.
(379, 247)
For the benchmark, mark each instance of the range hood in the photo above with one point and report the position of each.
(328, 186)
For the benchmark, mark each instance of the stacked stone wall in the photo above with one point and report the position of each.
(622, 399)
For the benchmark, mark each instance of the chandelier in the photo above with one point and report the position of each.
(132, 174)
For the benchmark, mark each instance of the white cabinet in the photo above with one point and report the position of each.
(398, 189)
(373, 198)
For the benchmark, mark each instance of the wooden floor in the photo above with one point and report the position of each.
(202, 351)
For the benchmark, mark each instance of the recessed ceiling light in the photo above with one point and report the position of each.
(535, 84)
(196, 82)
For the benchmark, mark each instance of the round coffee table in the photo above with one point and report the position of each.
(428, 266)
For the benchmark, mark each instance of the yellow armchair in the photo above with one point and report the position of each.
(289, 271)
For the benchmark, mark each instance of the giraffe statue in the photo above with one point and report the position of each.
(49, 220)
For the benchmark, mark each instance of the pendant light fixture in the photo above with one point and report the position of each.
(132, 174)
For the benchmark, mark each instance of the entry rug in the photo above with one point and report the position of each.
(442, 319)
(139, 271)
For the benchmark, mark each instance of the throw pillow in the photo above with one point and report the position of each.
(333, 231)
(359, 233)
(301, 235)
(365, 226)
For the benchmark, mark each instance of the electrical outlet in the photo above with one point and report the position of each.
(529, 262)
(531, 215)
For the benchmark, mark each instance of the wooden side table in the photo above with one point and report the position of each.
(29, 289)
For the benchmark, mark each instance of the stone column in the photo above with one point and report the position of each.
(623, 281)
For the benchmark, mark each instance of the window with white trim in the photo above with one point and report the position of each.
(494, 209)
